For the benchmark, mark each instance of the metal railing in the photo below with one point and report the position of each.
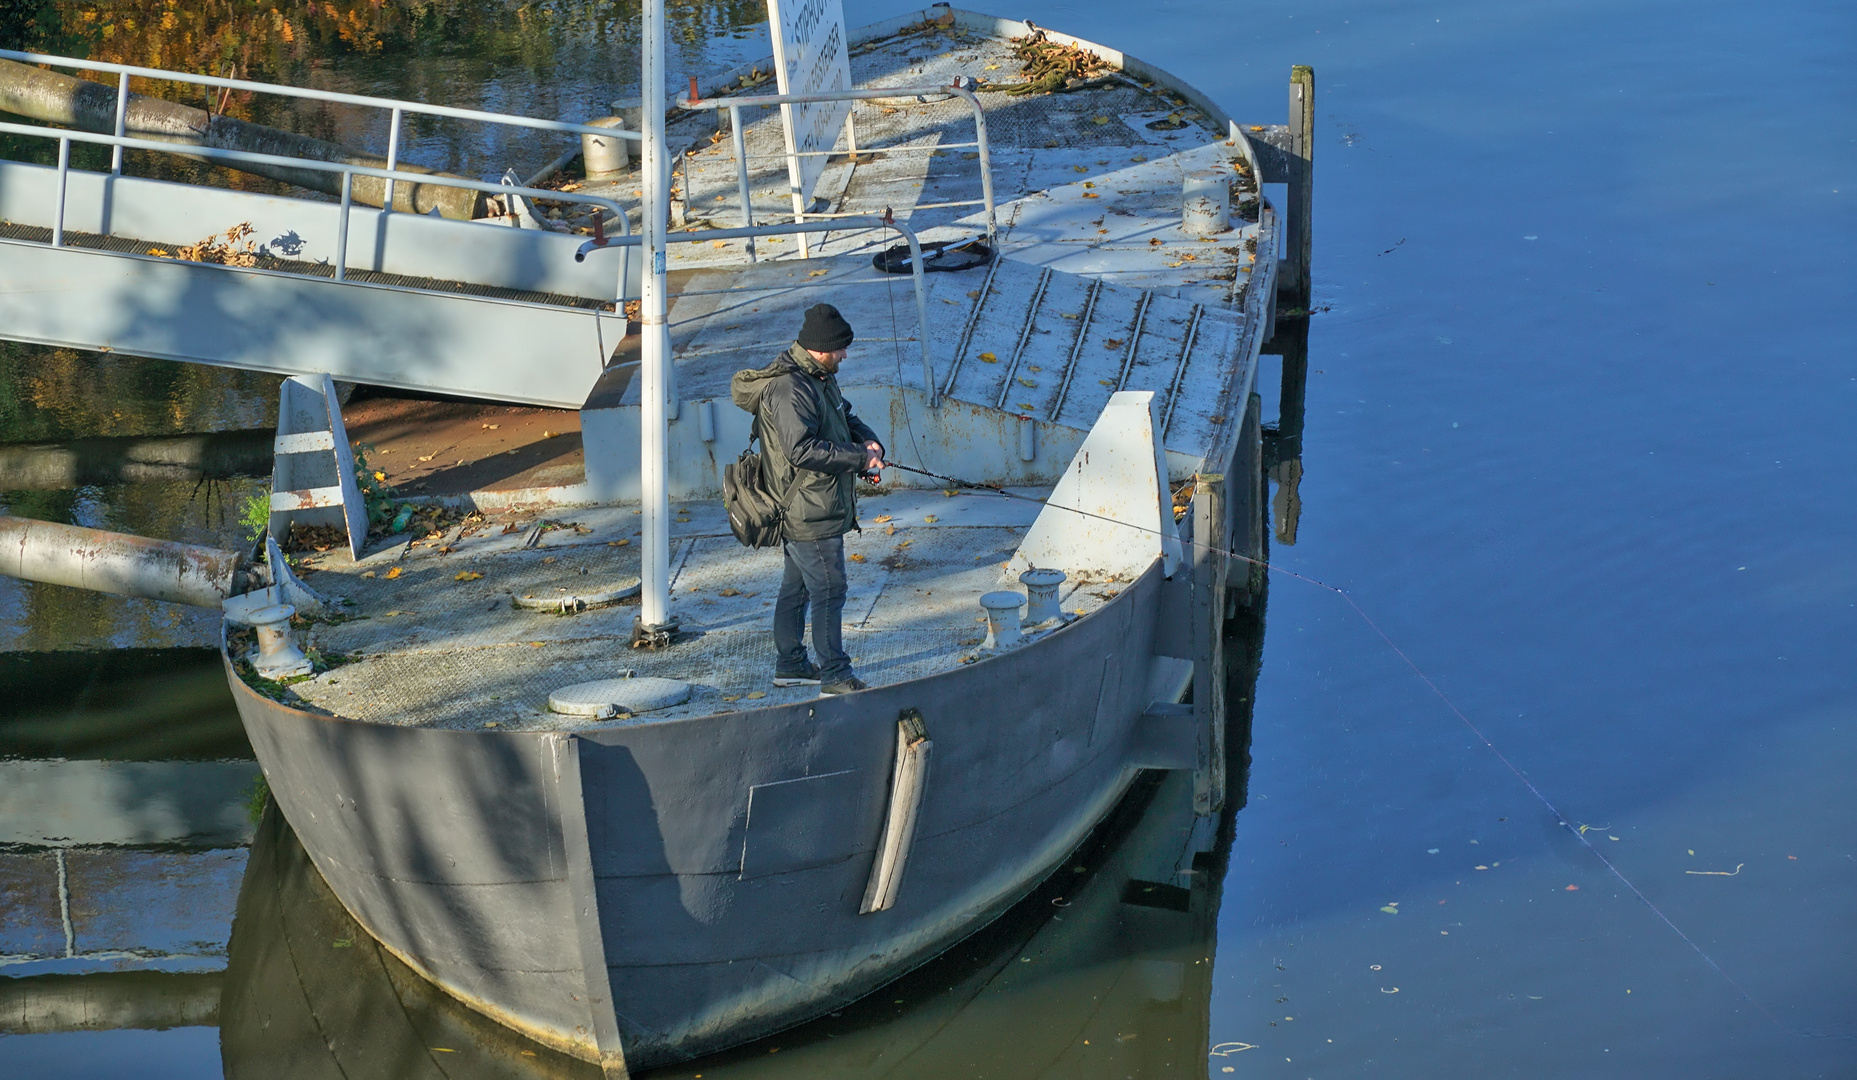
(348, 172)
(736, 104)
(397, 109)
(866, 221)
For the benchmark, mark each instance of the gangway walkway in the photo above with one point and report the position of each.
(87, 260)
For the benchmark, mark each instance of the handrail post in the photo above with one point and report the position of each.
(122, 116)
(64, 171)
(393, 160)
(741, 175)
(986, 169)
(922, 329)
(341, 237)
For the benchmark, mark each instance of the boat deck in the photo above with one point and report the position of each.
(1086, 181)
(427, 649)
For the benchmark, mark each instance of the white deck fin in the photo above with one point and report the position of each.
(313, 474)
(1118, 479)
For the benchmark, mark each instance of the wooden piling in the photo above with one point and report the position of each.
(1210, 539)
(1293, 287)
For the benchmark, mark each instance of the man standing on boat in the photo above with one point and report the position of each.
(814, 448)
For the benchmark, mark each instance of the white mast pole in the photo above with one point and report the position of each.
(654, 358)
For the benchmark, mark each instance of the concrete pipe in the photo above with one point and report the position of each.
(56, 554)
(52, 98)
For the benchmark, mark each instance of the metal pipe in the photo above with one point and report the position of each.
(393, 157)
(654, 352)
(214, 154)
(64, 173)
(70, 555)
(341, 236)
(320, 95)
(741, 176)
(122, 115)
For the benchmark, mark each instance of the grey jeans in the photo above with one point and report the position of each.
(815, 576)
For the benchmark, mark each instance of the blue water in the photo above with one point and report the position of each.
(1581, 382)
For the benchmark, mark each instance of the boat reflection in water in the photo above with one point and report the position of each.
(1104, 971)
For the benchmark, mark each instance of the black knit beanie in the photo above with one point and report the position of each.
(825, 330)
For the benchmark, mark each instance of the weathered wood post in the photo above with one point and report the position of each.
(1298, 241)
(1210, 541)
(1245, 576)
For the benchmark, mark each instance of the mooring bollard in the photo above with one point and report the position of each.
(1206, 203)
(604, 156)
(278, 656)
(1002, 618)
(1041, 595)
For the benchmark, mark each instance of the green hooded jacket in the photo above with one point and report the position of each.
(812, 443)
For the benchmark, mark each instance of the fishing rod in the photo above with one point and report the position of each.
(1577, 832)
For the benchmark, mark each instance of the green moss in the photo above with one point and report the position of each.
(255, 797)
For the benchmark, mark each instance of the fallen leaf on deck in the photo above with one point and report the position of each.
(932, 519)
(468, 575)
(536, 644)
(618, 543)
(753, 694)
(988, 358)
(1390, 909)
(394, 573)
(881, 518)
(855, 558)
(1572, 888)
(729, 592)
(731, 697)
(368, 574)
(1482, 868)
(1099, 119)
(817, 273)
(1080, 168)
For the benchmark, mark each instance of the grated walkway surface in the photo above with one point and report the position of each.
(433, 650)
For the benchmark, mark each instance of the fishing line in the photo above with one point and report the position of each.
(1559, 818)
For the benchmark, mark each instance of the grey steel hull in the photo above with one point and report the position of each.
(655, 892)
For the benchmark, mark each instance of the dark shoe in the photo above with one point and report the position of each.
(851, 684)
(809, 676)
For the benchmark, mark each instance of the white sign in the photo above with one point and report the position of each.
(811, 56)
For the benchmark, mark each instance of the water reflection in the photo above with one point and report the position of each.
(1104, 971)
(125, 787)
(1283, 441)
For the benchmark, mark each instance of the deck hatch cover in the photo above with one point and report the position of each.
(801, 823)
